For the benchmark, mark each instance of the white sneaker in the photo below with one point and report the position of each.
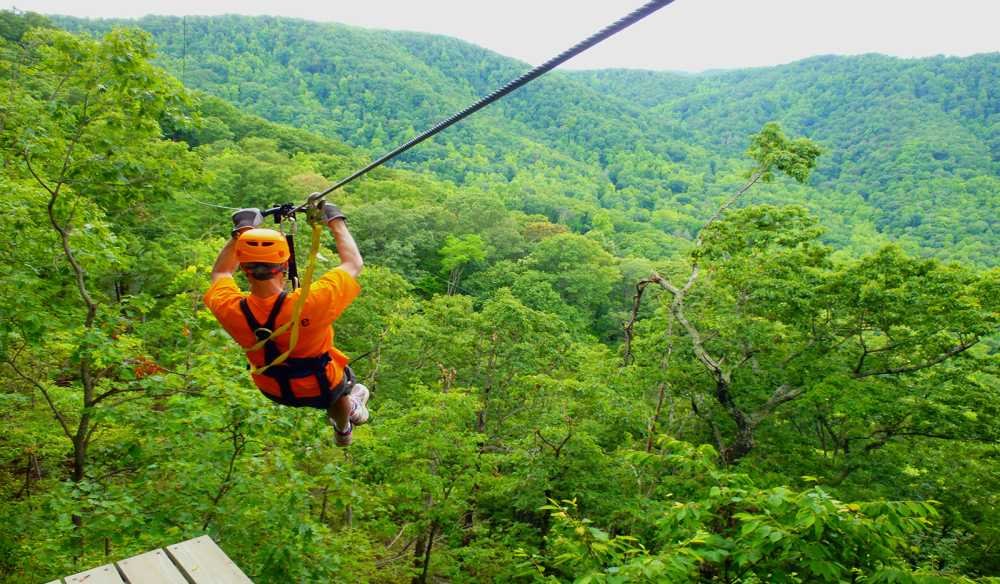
(359, 404)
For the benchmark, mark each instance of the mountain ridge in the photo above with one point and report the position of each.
(912, 144)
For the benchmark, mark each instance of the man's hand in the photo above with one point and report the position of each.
(246, 219)
(331, 212)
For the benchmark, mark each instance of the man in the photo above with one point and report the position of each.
(316, 373)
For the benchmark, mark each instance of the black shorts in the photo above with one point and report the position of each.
(324, 400)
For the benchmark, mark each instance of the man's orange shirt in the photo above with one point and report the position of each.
(328, 297)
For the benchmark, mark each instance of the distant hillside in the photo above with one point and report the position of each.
(912, 146)
(919, 140)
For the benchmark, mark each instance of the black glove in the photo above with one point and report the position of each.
(331, 212)
(245, 219)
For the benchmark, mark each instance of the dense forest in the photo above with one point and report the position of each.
(622, 327)
(913, 147)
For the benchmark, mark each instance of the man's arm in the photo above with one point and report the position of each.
(226, 263)
(347, 249)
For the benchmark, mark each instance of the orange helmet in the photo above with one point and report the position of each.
(262, 246)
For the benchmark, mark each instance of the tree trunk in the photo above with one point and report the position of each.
(322, 510)
(469, 517)
(656, 416)
(81, 440)
(80, 443)
(454, 278)
(743, 442)
(418, 556)
(427, 552)
(741, 446)
(27, 479)
(422, 552)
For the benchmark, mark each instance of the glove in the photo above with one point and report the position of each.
(331, 212)
(245, 219)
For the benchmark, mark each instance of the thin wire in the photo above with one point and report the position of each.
(214, 205)
(622, 23)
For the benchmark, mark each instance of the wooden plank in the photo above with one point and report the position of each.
(203, 562)
(152, 567)
(100, 575)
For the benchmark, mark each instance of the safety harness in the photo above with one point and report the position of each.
(292, 367)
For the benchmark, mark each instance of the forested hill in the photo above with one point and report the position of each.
(912, 146)
(607, 336)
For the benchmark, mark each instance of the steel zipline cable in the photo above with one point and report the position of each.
(622, 23)
(312, 204)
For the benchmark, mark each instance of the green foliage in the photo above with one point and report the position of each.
(731, 530)
(770, 148)
(14, 24)
(508, 441)
(911, 145)
(458, 253)
(774, 535)
(577, 268)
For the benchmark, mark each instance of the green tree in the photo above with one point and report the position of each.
(733, 531)
(578, 269)
(82, 130)
(457, 254)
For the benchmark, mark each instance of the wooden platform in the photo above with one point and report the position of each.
(195, 561)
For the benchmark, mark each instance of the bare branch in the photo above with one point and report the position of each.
(556, 449)
(640, 287)
(402, 552)
(697, 344)
(939, 436)
(784, 393)
(59, 86)
(695, 270)
(90, 432)
(395, 539)
(113, 392)
(38, 179)
(722, 209)
(747, 356)
(665, 284)
(62, 229)
(48, 399)
(960, 348)
(661, 390)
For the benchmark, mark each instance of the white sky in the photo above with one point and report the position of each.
(689, 35)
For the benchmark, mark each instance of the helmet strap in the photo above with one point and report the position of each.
(263, 272)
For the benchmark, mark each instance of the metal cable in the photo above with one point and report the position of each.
(214, 205)
(622, 23)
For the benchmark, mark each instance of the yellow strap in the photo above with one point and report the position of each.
(296, 310)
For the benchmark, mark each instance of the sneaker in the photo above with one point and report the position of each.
(359, 404)
(342, 439)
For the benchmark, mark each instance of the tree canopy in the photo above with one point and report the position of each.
(616, 330)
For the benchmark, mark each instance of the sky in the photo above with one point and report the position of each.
(688, 35)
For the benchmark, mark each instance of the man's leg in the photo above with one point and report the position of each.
(348, 411)
(340, 411)
(339, 415)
